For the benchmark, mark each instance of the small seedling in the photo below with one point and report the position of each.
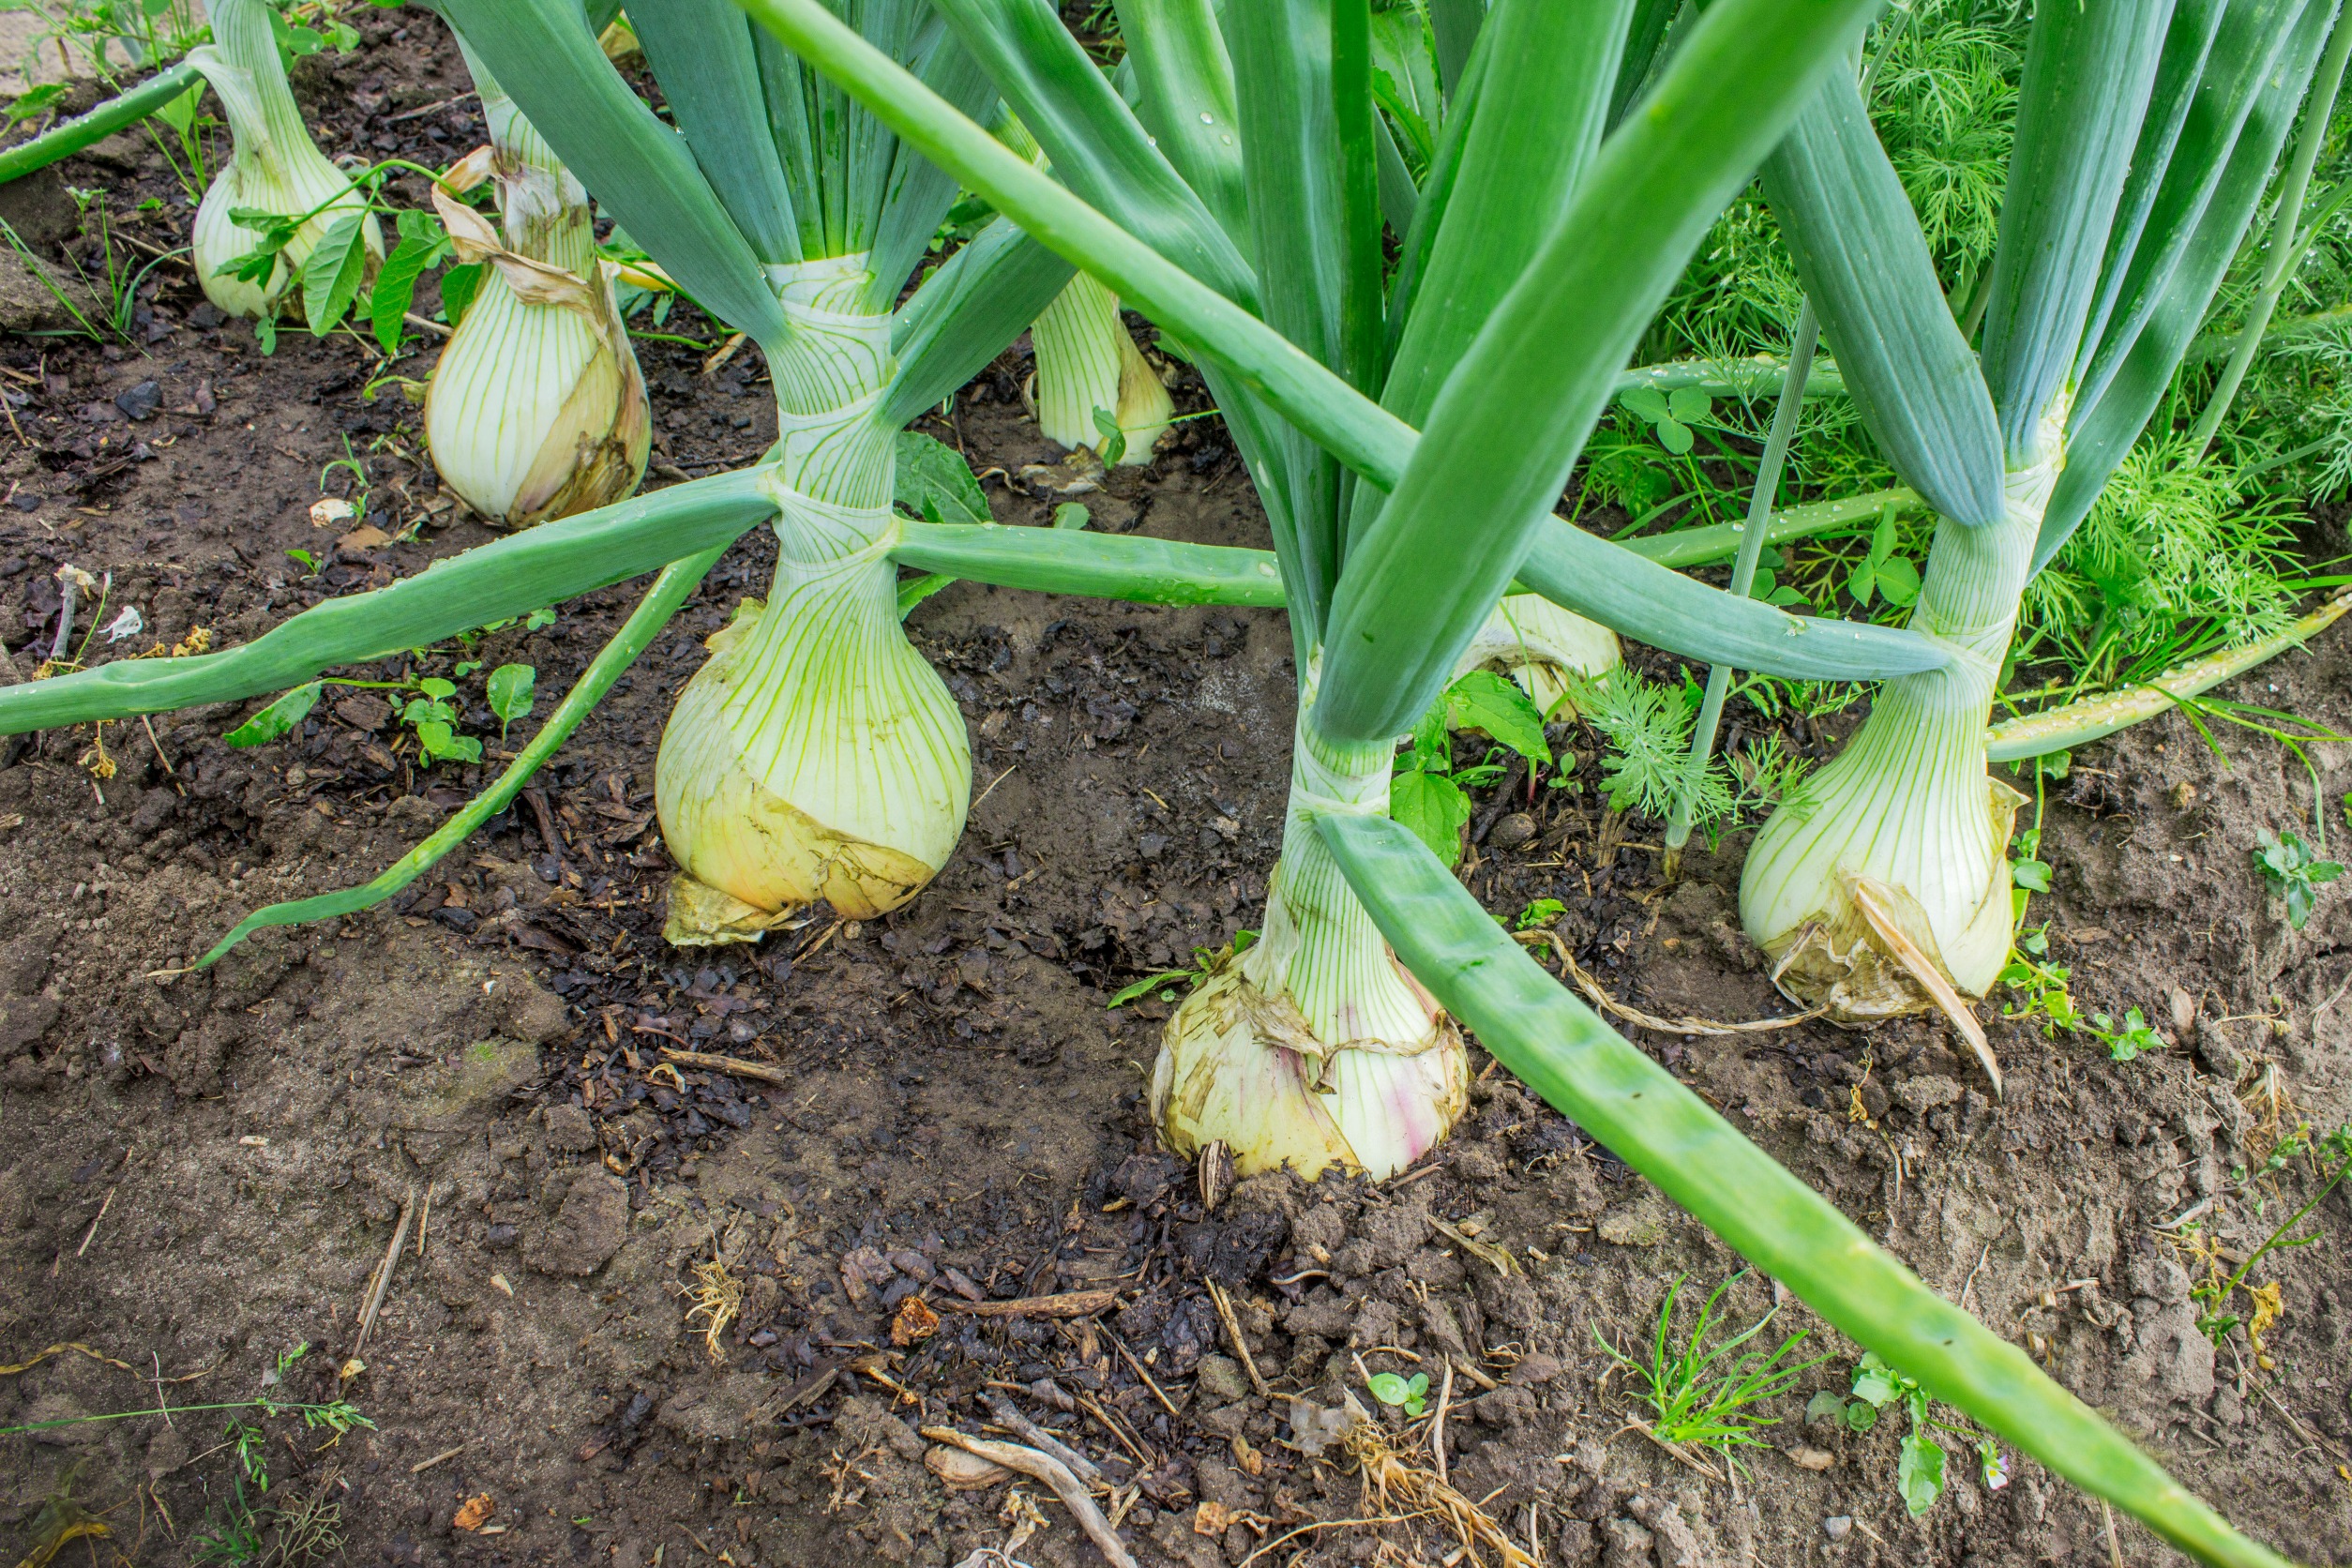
(2041, 986)
(1401, 1393)
(2134, 1038)
(1890, 577)
(436, 724)
(307, 562)
(510, 688)
(1542, 911)
(1427, 793)
(1670, 414)
(1919, 1469)
(2213, 1297)
(1699, 1395)
(2293, 872)
(1205, 962)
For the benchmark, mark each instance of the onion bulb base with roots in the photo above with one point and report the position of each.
(1313, 1048)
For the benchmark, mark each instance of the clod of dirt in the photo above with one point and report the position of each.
(588, 1230)
(486, 1072)
(529, 1014)
(570, 1130)
(412, 817)
(1924, 1094)
(23, 1019)
(718, 1413)
(23, 963)
(28, 304)
(1640, 1223)
(40, 208)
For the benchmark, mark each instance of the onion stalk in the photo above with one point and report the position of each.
(537, 409)
(817, 756)
(274, 168)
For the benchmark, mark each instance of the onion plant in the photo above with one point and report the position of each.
(1536, 247)
(536, 407)
(817, 755)
(1388, 593)
(2147, 133)
(275, 174)
(1094, 387)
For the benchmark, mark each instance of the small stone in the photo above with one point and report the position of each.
(140, 401)
(1219, 1381)
(1837, 1526)
(1811, 1458)
(1513, 831)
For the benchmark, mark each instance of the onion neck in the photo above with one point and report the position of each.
(836, 459)
(1320, 947)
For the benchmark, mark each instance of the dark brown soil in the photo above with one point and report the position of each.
(201, 1172)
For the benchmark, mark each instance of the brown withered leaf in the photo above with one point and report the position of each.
(914, 1324)
(474, 1512)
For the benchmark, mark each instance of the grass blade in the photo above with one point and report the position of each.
(670, 591)
(1563, 1051)
(489, 582)
(1865, 267)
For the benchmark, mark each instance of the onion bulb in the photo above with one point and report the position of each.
(1880, 885)
(1538, 644)
(817, 755)
(1313, 1047)
(1086, 365)
(537, 409)
(273, 167)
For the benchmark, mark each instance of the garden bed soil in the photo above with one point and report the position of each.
(201, 1172)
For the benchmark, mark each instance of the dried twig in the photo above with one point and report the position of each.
(1602, 1000)
(1166, 1403)
(1071, 1304)
(1010, 1417)
(1437, 1424)
(734, 1065)
(90, 1235)
(1234, 1331)
(383, 1274)
(1054, 1473)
